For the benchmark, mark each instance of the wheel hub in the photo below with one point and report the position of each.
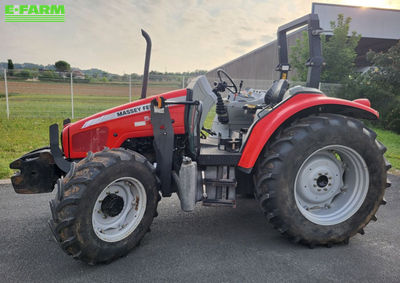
(322, 181)
(112, 205)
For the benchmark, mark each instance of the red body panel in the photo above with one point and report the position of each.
(263, 130)
(112, 127)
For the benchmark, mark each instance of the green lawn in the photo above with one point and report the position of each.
(31, 115)
(56, 106)
(392, 142)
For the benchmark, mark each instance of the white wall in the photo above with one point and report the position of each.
(369, 22)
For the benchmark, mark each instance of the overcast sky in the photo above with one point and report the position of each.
(186, 34)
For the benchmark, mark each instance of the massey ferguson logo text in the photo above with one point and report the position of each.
(134, 110)
(34, 13)
(116, 115)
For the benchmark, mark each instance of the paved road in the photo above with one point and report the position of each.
(211, 244)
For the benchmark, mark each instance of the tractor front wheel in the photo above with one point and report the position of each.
(322, 179)
(105, 205)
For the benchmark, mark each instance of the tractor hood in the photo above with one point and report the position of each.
(110, 128)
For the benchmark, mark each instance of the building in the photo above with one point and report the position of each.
(378, 27)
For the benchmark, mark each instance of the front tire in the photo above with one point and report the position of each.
(322, 179)
(105, 205)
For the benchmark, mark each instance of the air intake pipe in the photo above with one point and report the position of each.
(146, 64)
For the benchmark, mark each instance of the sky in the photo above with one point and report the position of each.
(186, 34)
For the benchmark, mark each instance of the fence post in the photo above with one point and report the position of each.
(183, 81)
(6, 90)
(130, 88)
(72, 97)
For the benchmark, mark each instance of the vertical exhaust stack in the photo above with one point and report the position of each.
(146, 64)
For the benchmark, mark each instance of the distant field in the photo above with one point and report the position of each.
(53, 100)
(106, 89)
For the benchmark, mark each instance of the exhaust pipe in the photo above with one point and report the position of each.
(146, 64)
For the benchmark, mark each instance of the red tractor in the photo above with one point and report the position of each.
(318, 174)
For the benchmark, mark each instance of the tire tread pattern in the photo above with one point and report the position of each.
(70, 190)
(271, 162)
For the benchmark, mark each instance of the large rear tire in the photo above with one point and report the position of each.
(322, 179)
(105, 205)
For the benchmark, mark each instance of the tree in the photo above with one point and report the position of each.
(10, 67)
(338, 51)
(380, 85)
(386, 70)
(10, 64)
(62, 66)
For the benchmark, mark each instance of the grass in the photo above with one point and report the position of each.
(392, 142)
(57, 106)
(24, 132)
(19, 136)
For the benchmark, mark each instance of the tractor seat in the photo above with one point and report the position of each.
(276, 92)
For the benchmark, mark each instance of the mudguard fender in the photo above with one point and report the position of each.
(296, 106)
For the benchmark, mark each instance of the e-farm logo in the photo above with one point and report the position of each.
(34, 13)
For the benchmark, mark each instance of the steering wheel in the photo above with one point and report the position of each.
(232, 87)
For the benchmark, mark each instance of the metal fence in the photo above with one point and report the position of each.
(330, 89)
(49, 94)
(45, 94)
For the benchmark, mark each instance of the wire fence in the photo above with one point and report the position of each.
(330, 89)
(50, 94)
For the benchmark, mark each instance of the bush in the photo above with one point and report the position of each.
(24, 74)
(380, 85)
(382, 99)
(47, 75)
(393, 119)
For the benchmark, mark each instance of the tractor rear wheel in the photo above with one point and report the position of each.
(105, 205)
(322, 179)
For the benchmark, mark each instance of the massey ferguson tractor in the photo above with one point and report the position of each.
(317, 173)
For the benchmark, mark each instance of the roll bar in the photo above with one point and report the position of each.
(314, 63)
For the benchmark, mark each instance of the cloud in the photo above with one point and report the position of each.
(186, 34)
(245, 42)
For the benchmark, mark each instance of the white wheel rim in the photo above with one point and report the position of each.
(113, 221)
(331, 185)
